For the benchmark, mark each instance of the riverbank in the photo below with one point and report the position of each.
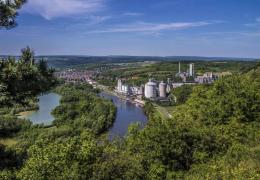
(25, 114)
(106, 90)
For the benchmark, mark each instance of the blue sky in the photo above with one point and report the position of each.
(227, 28)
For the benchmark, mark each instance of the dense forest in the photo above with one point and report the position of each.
(82, 108)
(214, 134)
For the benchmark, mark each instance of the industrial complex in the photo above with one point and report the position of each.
(154, 90)
(158, 90)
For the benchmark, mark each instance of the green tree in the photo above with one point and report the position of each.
(67, 158)
(28, 56)
(8, 12)
(181, 94)
(24, 78)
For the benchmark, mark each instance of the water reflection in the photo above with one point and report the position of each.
(46, 104)
(127, 113)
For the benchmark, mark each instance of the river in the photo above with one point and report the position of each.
(127, 113)
(47, 103)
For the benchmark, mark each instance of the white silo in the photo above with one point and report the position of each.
(119, 85)
(162, 89)
(150, 89)
(192, 70)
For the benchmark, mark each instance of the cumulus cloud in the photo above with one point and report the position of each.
(50, 9)
(152, 27)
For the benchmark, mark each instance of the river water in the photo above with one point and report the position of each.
(127, 113)
(47, 103)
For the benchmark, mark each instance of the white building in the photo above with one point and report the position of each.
(162, 90)
(134, 90)
(207, 78)
(125, 89)
(192, 70)
(150, 89)
(121, 88)
(119, 85)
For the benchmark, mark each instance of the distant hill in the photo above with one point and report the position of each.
(67, 61)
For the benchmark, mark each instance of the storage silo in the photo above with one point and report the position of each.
(192, 70)
(119, 85)
(150, 89)
(162, 89)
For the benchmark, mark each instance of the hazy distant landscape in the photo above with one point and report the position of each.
(67, 61)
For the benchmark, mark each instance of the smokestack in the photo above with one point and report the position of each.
(179, 67)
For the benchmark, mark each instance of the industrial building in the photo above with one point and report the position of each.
(150, 89)
(155, 90)
(119, 85)
(128, 90)
(189, 73)
(207, 78)
(122, 88)
(162, 89)
(192, 70)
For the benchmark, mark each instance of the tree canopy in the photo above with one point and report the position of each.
(214, 134)
(23, 78)
(8, 12)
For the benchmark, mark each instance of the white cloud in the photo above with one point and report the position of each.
(258, 19)
(152, 27)
(50, 9)
(133, 14)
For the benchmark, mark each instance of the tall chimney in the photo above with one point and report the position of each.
(179, 67)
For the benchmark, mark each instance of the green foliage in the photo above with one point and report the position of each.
(217, 121)
(81, 108)
(181, 94)
(7, 175)
(7, 158)
(9, 125)
(212, 135)
(8, 12)
(67, 158)
(23, 79)
(149, 108)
